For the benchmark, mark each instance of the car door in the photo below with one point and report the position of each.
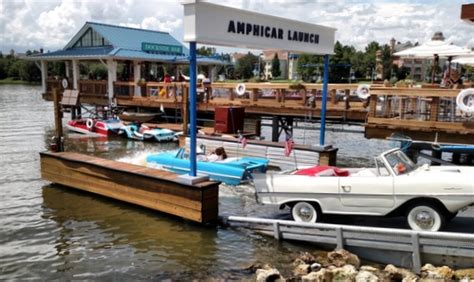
(367, 193)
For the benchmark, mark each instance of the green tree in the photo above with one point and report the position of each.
(245, 66)
(3, 69)
(276, 72)
(14, 69)
(97, 71)
(29, 72)
(309, 66)
(206, 51)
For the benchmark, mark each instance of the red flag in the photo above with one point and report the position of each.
(243, 141)
(288, 146)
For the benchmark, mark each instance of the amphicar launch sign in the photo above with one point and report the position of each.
(220, 25)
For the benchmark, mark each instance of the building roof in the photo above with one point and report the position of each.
(122, 43)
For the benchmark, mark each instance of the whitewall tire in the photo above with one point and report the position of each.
(425, 218)
(305, 212)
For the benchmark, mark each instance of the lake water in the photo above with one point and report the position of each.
(52, 232)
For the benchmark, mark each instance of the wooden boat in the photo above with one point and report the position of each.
(138, 117)
(231, 171)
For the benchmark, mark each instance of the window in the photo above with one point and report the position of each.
(381, 168)
(91, 38)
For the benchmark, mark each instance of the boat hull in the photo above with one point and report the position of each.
(232, 172)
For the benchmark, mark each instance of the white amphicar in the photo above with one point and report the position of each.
(428, 196)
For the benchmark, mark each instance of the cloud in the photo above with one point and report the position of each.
(31, 24)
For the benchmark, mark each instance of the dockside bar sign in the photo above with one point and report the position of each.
(209, 23)
(161, 48)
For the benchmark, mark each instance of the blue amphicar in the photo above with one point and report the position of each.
(231, 171)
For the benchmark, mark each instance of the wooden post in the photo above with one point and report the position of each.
(44, 76)
(185, 110)
(75, 75)
(434, 108)
(258, 127)
(136, 78)
(58, 124)
(328, 157)
(372, 106)
(254, 95)
(275, 127)
(332, 93)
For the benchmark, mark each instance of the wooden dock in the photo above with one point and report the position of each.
(419, 113)
(152, 188)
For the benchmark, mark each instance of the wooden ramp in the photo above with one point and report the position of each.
(405, 248)
(152, 188)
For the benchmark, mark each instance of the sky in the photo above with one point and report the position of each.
(50, 24)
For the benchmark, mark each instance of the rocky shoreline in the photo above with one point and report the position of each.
(341, 265)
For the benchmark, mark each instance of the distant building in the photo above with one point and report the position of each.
(418, 67)
(288, 64)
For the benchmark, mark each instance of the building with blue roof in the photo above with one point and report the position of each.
(112, 44)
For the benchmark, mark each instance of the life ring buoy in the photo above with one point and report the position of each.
(64, 83)
(240, 89)
(363, 91)
(89, 123)
(465, 100)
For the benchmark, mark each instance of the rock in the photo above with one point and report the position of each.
(302, 269)
(254, 266)
(341, 257)
(403, 274)
(322, 275)
(315, 266)
(305, 258)
(366, 276)
(266, 275)
(346, 273)
(369, 268)
(464, 273)
(429, 271)
(381, 275)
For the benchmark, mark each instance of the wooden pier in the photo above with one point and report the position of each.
(152, 188)
(420, 113)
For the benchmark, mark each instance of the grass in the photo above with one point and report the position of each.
(10, 80)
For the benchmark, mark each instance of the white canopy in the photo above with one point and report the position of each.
(464, 61)
(434, 47)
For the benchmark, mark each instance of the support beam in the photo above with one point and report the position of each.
(136, 77)
(44, 75)
(275, 132)
(111, 78)
(192, 107)
(66, 67)
(324, 101)
(75, 74)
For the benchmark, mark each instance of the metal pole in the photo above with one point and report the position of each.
(322, 131)
(192, 107)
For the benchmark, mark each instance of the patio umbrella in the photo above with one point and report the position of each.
(435, 48)
(464, 61)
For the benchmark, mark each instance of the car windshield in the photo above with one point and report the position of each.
(399, 162)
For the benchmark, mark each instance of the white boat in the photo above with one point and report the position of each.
(428, 196)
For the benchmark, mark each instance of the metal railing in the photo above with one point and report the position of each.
(417, 244)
